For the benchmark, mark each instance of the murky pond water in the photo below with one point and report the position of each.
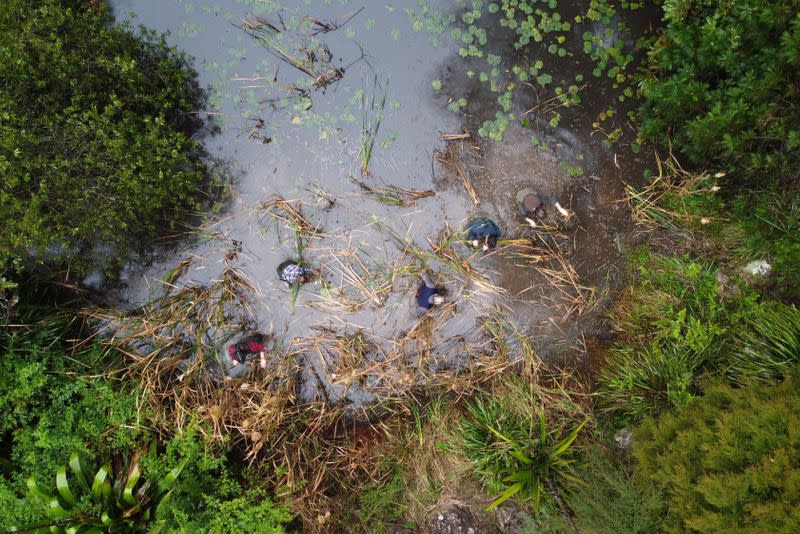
(297, 87)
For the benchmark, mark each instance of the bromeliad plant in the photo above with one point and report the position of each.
(107, 502)
(515, 455)
(542, 465)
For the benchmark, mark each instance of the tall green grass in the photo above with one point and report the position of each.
(615, 500)
(769, 228)
(769, 347)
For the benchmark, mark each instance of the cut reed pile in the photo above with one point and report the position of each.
(445, 250)
(279, 210)
(350, 364)
(574, 297)
(392, 195)
(450, 159)
(172, 348)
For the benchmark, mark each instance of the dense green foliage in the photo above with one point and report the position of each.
(724, 86)
(729, 460)
(45, 411)
(676, 323)
(213, 497)
(95, 131)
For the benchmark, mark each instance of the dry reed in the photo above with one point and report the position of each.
(449, 159)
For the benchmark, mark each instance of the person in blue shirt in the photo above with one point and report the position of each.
(483, 230)
(292, 273)
(428, 295)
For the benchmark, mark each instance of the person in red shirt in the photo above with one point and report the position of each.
(244, 350)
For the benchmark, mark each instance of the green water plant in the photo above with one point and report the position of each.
(372, 113)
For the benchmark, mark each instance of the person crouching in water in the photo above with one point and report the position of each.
(533, 207)
(246, 348)
(483, 232)
(428, 295)
(292, 273)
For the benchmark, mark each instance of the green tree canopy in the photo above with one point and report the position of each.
(724, 85)
(95, 130)
(730, 461)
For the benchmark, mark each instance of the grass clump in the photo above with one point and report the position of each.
(769, 347)
(676, 199)
(382, 503)
(614, 498)
(673, 325)
(769, 226)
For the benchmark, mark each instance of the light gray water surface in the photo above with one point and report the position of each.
(307, 150)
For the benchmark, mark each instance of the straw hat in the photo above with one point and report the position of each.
(528, 200)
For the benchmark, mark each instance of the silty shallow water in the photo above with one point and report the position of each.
(314, 146)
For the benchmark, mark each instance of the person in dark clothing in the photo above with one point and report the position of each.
(246, 348)
(292, 273)
(428, 295)
(533, 207)
(483, 230)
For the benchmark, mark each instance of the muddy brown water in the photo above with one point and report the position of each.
(307, 152)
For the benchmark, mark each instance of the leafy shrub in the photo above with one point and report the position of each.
(212, 498)
(770, 225)
(17, 508)
(252, 511)
(728, 460)
(46, 408)
(721, 86)
(95, 131)
(769, 346)
(673, 324)
(614, 499)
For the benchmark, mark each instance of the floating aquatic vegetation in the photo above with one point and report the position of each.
(296, 41)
